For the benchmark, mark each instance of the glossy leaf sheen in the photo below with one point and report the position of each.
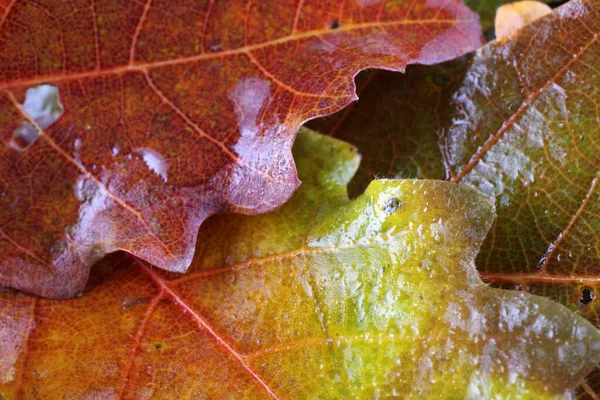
(323, 298)
(175, 112)
(543, 147)
(519, 120)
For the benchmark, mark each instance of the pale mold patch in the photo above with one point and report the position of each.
(42, 105)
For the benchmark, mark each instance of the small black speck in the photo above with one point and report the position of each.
(587, 295)
(158, 346)
(334, 24)
(215, 46)
(392, 205)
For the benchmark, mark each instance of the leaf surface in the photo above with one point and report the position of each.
(517, 120)
(514, 16)
(487, 10)
(323, 298)
(125, 125)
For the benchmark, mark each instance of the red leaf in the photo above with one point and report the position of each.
(176, 111)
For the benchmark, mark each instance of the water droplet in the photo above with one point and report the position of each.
(42, 105)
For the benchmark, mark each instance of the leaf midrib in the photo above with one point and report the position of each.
(146, 66)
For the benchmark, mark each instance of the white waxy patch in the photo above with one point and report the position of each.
(42, 105)
(155, 161)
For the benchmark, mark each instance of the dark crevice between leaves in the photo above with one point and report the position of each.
(554, 4)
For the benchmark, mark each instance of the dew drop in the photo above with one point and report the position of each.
(42, 105)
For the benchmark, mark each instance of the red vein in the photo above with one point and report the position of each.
(297, 16)
(138, 29)
(284, 85)
(206, 136)
(244, 265)
(135, 344)
(545, 260)
(166, 289)
(535, 277)
(303, 251)
(204, 25)
(513, 118)
(141, 67)
(26, 251)
(96, 40)
(246, 21)
(588, 390)
(84, 171)
(6, 12)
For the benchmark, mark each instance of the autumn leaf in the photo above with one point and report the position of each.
(323, 298)
(510, 18)
(126, 125)
(487, 10)
(518, 119)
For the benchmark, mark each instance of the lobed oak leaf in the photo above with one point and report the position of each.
(323, 298)
(125, 125)
(518, 120)
(521, 129)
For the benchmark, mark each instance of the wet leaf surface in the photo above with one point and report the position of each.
(518, 120)
(373, 297)
(147, 119)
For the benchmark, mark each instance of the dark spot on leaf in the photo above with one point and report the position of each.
(392, 205)
(334, 24)
(215, 46)
(587, 296)
(158, 346)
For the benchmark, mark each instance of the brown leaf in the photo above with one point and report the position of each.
(140, 121)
